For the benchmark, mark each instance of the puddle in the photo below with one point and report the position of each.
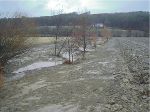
(37, 65)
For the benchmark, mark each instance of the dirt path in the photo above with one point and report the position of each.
(98, 84)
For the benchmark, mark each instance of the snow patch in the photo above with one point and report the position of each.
(33, 86)
(58, 108)
(49, 59)
(26, 89)
(32, 98)
(66, 56)
(85, 79)
(93, 72)
(81, 49)
(103, 63)
(17, 76)
(21, 60)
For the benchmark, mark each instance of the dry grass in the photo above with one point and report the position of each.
(40, 40)
(43, 40)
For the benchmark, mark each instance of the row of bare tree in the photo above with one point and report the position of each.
(83, 33)
(79, 36)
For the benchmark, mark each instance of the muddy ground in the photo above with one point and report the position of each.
(101, 83)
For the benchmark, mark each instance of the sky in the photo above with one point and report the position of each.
(51, 7)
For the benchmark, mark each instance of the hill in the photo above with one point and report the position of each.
(128, 21)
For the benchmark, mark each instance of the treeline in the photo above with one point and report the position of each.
(127, 21)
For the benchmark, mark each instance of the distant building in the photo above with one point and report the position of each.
(99, 25)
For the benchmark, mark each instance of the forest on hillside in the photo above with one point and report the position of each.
(130, 21)
(127, 21)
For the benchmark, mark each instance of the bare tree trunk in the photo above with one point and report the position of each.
(69, 50)
(1, 76)
(61, 48)
(84, 46)
(56, 45)
(56, 39)
(72, 52)
(72, 58)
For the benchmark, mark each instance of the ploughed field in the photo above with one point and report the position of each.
(112, 78)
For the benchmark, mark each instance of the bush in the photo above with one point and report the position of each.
(12, 34)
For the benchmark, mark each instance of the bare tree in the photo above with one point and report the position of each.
(71, 50)
(58, 20)
(1, 76)
(105, 33)
(92, 34)
(83, 31)
(13, 31)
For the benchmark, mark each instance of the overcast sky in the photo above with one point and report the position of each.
(45, 7)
